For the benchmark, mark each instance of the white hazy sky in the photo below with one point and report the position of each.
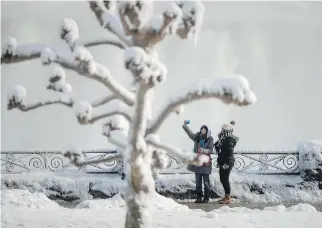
(276, 45)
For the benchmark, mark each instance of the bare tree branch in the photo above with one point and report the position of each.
(100, 74)
(26, 108)
(113, 25)
(190, 96)
(103, 100)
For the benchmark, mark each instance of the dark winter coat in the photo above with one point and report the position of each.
(208, 149)
(226, 151)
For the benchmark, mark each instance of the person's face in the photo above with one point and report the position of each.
(203, 131)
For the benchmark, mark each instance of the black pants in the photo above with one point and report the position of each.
(206, 182)
(224, 179)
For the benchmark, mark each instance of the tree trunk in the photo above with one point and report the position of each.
(137, 159)
(140, 188)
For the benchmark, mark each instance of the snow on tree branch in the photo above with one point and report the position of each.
(84, 113)
(103, 100)
(116, 123)
(76, 158)
(18, 94)
(69, 32)
(144, 67)
(115, 141)
(84, 64)
(135, 14)
(159, 156)
(13, 52)
(186, 157)
(159, 27)
(192, 20)
(57, 81)
(103, 42)
(106, 16)
(230, 90)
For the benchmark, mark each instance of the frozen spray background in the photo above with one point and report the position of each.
(277, 46)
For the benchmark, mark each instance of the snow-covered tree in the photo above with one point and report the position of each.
(137, 30)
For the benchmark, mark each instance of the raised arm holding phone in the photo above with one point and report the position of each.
(203, 144)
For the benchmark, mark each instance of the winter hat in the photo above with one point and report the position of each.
(227, 127)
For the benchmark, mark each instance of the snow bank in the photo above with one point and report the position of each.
(26, 199)
(158, 202)
(66, 185)
(246, 188)
(249, 188)
(114, 202)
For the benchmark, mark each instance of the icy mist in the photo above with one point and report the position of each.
(278, 46)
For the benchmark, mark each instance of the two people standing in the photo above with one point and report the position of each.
(204, 143)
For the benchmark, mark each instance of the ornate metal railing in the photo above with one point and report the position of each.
(260, 162)
(25, 161)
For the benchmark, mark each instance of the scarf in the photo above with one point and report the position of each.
(223, 135)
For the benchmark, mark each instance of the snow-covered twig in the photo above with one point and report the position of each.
(85, 66)
(230, 90)
(186, 157)
(109, 114)
(114, 141)
(77, 159)
(159, 27)
(69, 32)
(108, 20)
(103, 42)
(103, 100)
(12, 52)
(29, 107)
(103, 160)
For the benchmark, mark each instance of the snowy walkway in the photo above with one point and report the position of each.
(114, 218)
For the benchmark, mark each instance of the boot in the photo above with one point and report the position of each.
(226, 200)
(198, 200)
(199, 196)
(222, 199)
(206, 198)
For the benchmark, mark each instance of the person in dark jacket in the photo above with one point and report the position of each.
(225, 149)
(203, 144)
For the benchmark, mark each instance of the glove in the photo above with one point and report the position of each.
(225, 167)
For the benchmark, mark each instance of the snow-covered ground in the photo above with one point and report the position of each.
(250, 188)
(20, 208)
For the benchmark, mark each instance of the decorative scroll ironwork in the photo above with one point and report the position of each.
(260, 162)
(18, 161)
(267, 163)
